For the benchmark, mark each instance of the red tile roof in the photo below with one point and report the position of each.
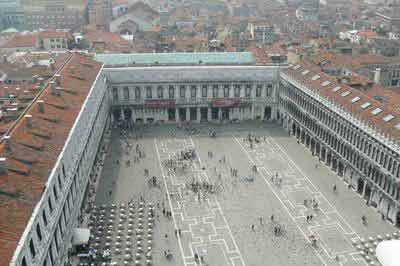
(55, 34)
(32, 155)
(19, 41)
(345, 101)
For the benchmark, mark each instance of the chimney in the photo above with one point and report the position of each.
(58, 79)
(3, 165)
(52, 64)
(58, 91)
(40, 106)
(7, 142)
(377, 76)
(28, 119)
(52, 87)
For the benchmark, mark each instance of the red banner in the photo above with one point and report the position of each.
(159, 103)
(226, 102)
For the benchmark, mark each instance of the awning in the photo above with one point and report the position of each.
(159, 103)
(226, 102)
(388, 253)
(80, 236)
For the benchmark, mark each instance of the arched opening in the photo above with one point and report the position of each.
(308, 140)
(323, 151)
(334, 164)
(340, 169)
(267, 112)
(328, 158)
(117, 114)
(125, 32)
(128, 114)
(398, 219)
(368, 191)
(313, 146)
(360, 185)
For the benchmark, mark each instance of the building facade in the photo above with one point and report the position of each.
(367, 160)
(308, 105)
(100, 14)
(48, 235)
(193, 93)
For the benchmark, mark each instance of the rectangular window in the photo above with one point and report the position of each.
(269, 89)
(226, 91)
(61, 227)
(248, 91)
(193, 92)
(126, 93)
(160, 92)
(236, 90)
(59, 181)
(182, 91)
(32, 248)
(137, 93)
(50, 205)
(55, 192)
(215, 91)
(115, 93)
(39, 232)
(204, 91)
(171, 92)
(56, 239)
(148, 93)
(44, 217)
(51, 254)
(258, 91)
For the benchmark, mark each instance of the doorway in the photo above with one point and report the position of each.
(267, 112)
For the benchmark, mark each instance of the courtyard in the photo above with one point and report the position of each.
(236, 221)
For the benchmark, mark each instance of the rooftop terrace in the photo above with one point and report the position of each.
(242, 58)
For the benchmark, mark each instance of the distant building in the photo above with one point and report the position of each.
(100, 14)
(262, 31)
(308, 10)
(11, 14)
(56, 14)
(21, 43)
(54, 40)
(390, 14)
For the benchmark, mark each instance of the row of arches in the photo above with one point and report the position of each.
(366, 176)
(350, 134)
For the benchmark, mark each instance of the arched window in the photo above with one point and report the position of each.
(126, 93)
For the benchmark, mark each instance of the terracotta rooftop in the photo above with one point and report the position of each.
(19, 41)
(55, 34)
(34, 150)
(385, 119)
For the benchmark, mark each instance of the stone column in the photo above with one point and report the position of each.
(122, 114)
(209, 114)
(187, 114)
(219, 114)
(364, 187)
(112, 116)
(177, 115)
(198, 115)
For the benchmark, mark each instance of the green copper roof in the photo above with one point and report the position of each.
(243, 58)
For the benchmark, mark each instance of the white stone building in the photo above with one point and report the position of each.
(48, 155)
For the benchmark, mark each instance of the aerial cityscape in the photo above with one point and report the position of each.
(199, 132)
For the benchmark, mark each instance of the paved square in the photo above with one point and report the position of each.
(232, 225)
